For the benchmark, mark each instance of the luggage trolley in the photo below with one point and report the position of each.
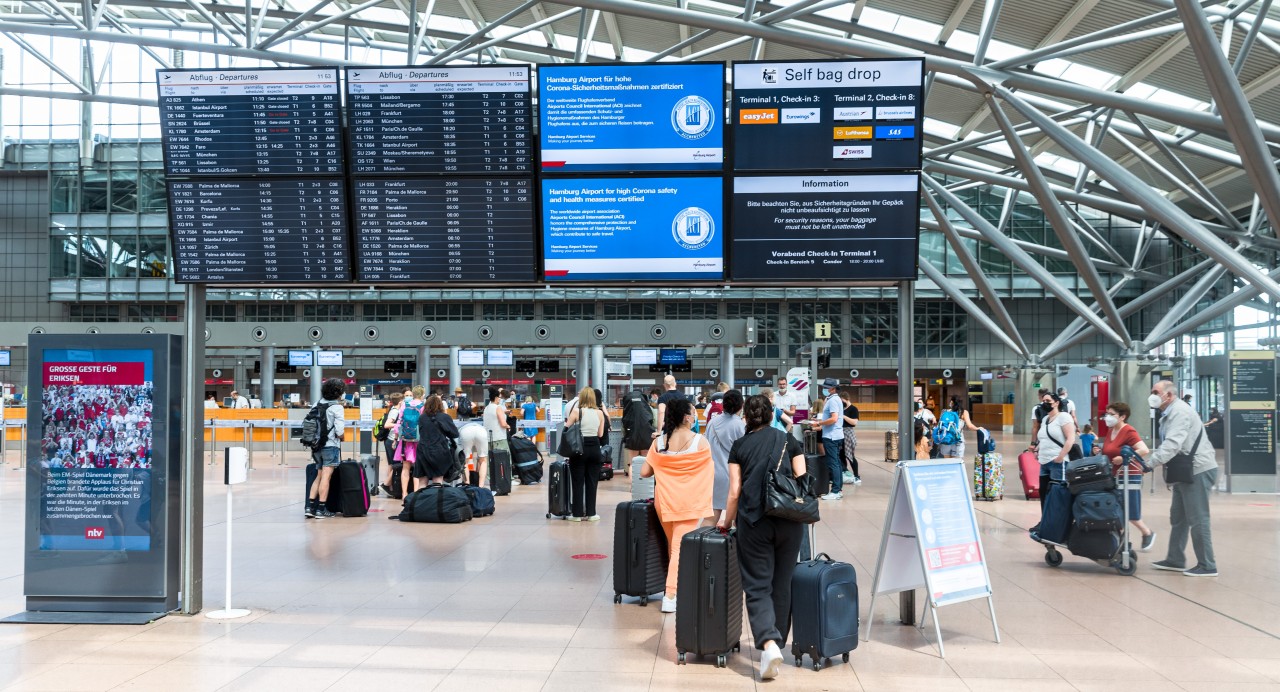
(1124, 560)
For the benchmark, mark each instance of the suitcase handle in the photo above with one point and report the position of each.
(711, 596)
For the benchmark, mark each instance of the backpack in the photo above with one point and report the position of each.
(409, 422)
(637, 421)
(465, 409)
(315, 427)
(948, 430)
(380, 431)
(986, 443)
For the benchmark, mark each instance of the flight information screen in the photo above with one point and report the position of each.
(277, 230)
(440, 120)
(437, 230)
(828, 115)
(251, 122)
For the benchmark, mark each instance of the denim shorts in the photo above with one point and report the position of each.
(328, 456)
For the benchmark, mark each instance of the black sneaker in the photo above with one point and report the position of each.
(324, 513)
(1148, 541)
(310, 510)
(1168, 566)
(1199, 571)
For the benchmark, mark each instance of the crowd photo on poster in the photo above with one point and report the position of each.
(98, 426)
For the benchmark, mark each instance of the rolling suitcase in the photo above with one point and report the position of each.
(709, 610)
(606, 469)
(816, 466)
(641, 488)
(891, 447)
(334, 502)
(500, 471)
(558, 489)
(393, 484)
(1089, 474)
(988, 477)
(1029, 471)
(353, 488)
(370, 464)
(824, 609)
(640, 554)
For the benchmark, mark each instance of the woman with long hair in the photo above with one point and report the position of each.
(436, 435)
(585, 468)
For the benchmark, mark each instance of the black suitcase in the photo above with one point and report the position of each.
(558, 489)
(824, 610)
(437, 504)
(816, 466)
(1089, 474)
(709, 610)
(353, 488)
(500, 471)
(1100, 510)
(395, 481)
(640, 552)
(606, 471)
(1094, 545)
(812, 442)
(370, 464)
(334, 502)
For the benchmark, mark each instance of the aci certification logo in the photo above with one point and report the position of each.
(692, 117)
(693, 228)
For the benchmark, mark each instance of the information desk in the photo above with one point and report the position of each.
(445, 229)
(440, 119)
(276, 230)
(283, 121)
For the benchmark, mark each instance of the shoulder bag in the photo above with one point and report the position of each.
(571, 440)
(788, 497)
(1076, 452)
(1180, 469)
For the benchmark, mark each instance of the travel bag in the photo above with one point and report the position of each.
(988, 477)
(1055, 520)
(481, 499)
(499, 471)
(709, 610)
(437, 504)
(824, 609)
(395, 481)
(815, 466)
(1088, 474)
(526, 460)
(640, 553)
(1029, 472)
(353, 488)
(1094, 545)
(558, 489)
(334, 501)
(606, 469)
(1098, 510)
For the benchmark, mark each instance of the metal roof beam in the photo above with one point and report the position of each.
(953, 292)
(990, 17)
(302, 17)
(958, 13)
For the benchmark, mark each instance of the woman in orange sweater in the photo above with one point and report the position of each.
(681, 464)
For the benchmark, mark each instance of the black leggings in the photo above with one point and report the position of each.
(584, 476)
(767, 559)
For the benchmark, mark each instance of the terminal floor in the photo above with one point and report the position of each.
(501, 604)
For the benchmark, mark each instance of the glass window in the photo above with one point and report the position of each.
(122, 257)
(269, 312)
(569, 311)
(124, 191)
(151, 192)
(83, 312)
(448, 311)
(152, 313)
(507, 311)
(220, 312)
(93, 256)
(873, 330)
(64, 192)
(336, 312)
(94, 187)
(63, 253)
(630, 311)
(153, 257)
(768, 334)
(801, 319)
(692, 311)
(388, 311)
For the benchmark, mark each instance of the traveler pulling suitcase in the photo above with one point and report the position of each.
(1100, 530)
(988, 477)
(709, 610)
(500, 471)
(558, 489)
(640, 553)
(353, 488)
(1029, 472)
(824, 609)
(334, 502)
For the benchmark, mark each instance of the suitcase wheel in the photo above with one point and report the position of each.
(817, 665)
(1053, 558)
(548, 515)
(845, 657)
(617, 598)
(737, 647)
(680, 658)
(799, 660)
(644, 601)
(722, 661)
(1133, 565)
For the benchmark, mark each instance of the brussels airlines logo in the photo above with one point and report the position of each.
(693, 228)
(692, 117)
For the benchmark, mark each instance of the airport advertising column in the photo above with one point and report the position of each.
(103, 482)
(1251, 421)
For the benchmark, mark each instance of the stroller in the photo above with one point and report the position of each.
(1088, 516)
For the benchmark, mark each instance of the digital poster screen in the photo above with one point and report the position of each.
(828, 115)
(644, 356)
(826, 227)
(470, 357)
(329, 358)
(500, 357)
(650, 117)
(633, 229)
(6, 358)
(673, 356)
(301, 359)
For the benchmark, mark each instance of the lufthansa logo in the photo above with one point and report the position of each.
(692, 117)
(693, 228)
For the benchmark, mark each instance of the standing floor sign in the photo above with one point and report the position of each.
(102, 487)
(931, 540)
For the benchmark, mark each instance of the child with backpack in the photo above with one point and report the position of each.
(948, 435)
(322, 432)
(407, 430)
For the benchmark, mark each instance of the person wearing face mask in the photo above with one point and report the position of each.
(1182, 433)
(1119, 435)
(1055, 438)
(832, 425)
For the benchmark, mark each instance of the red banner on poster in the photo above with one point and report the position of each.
(93, 373)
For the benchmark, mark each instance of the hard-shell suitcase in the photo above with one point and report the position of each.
(353, 488)
(370, 464)
(500, 471)
(815, 465)
(709, 611)
(988, 476)
(334, 502)
(606, 469)
(640, 553)
(558, 489)
(1029, 472)
(641, 488)
(1089, 474)
(891, 447)
(824, 610)
(812, 442)
(395, 482)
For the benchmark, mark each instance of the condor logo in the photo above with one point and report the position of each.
(758, 116)
(95, 533)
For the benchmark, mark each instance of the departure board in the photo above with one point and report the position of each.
(278, 230)
(440, 120)
(251, 122)
(435, 230)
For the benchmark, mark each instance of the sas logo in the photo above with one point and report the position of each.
(693, 228)
(758, 116)
(895, 132)
(95, 533)
(692, 117)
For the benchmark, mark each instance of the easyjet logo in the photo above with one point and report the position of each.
(758, 116)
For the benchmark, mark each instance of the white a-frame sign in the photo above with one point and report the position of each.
(931, 541)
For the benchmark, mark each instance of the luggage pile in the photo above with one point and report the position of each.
(1086, 514)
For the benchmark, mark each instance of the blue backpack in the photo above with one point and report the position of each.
(948, 430)
(986, 443)
(409, 422)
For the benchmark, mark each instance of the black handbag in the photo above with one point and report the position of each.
(571, 440)
(1076, 452)
(788, 497)
(1180, 469)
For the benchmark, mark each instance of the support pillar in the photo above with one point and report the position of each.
(1131, 385)
(581, 364)
(597, 370)
(1027, 396)
(906, 385)
(423, 376)
(240, 375)
(317, 375)
(455, 370)
(192, 480)
(726, 366)
(267, 376)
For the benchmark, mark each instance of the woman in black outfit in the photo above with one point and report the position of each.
(585, 469)
(767, 546)
(436, 443)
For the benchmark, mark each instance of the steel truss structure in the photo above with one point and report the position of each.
(1201, 176)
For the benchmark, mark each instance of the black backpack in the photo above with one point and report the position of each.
(465, 409)
(315, 427)
(637, 421)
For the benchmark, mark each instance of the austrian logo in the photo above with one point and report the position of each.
(693, 228)
(692, 117)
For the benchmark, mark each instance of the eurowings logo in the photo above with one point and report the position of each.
(798, 384)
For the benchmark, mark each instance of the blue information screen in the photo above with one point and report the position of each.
(633, 229)
(653, 117)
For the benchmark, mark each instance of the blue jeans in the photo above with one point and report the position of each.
(327, 456)
(834, 467)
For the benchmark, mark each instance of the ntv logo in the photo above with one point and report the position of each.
(95, 533)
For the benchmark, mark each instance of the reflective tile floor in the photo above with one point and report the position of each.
(500, 604)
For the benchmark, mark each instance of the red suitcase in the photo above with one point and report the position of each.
(1029, 469)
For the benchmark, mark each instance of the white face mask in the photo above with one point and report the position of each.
(1154, 401)
(1111, 421)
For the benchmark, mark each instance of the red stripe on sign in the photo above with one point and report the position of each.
(554, 164)
(557, 272)
(93, 373)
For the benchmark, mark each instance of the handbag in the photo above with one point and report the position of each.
(571, 440)
(1180, 469)
(1076, 452)
(788, 497)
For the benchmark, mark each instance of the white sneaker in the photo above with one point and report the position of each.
(573, 518)
(770, 662)
(857, 480)
(668, 605)
(594, 517)
(849, 477)
(833, 496)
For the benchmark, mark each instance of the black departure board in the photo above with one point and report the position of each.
(251, 122)
(440, 120)
(277, 230)
(436, 230)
